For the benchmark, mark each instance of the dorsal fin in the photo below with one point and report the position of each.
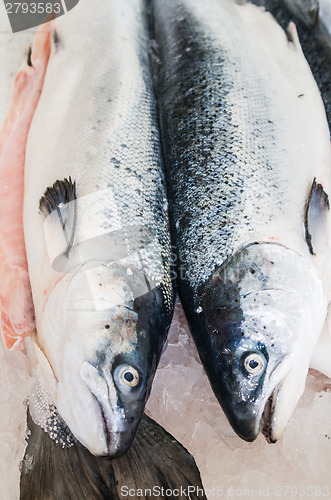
(317, 208)
(58, 205)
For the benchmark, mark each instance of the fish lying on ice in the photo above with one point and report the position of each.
(96, 229)
(248, 168)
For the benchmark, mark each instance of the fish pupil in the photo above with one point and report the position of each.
(253, 364)
(128, 377)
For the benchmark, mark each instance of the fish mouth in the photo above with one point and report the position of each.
(270, 424)
(110, 427)
(263, 418)
(117, 441)
(248, 423)
(267, 418)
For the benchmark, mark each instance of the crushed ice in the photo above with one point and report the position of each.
(184, 404)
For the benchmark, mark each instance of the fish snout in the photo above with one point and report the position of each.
(245, 421)
(118, 427)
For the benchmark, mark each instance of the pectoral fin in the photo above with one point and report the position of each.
(316, 216)
(59, 207)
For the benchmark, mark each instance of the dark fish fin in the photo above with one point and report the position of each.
(316, 212)
(155, 459)
(58, 205)
(28, 56)
(166, 463)
(56, 40)
(61, 192)
(51, 472)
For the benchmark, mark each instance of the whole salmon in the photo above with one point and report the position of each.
(96, 229)
(248, 165)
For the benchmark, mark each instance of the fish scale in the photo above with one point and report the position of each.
(210, 85)
(121, 156)
(245, 140)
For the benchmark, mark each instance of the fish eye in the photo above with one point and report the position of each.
(126, 375)
(254, 363)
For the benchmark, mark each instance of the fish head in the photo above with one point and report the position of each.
(263, 311)
(103, 333)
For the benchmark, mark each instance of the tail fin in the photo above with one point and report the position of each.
(155, 460)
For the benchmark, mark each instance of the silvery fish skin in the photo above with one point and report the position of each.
(247, 158)
(96, 229)
(313, 21)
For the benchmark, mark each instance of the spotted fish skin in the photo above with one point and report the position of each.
(96, 226)
(244, 136)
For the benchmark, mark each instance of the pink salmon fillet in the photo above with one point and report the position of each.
(16, 305)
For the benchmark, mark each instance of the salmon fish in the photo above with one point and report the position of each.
(247, 158)
(96, 230)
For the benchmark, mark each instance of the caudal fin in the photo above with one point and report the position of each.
(155, 460)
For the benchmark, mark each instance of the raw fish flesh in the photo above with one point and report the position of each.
(17, 314)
